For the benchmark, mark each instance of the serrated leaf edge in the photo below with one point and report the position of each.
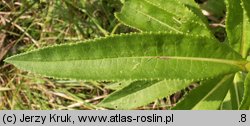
(226, 77)
(101, 104)
(126, 34)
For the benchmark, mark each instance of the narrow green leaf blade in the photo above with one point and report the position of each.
(246, 5)
(195, 8)
(237, 90)
(226, 104)
(161, 15)
(142, 93)
(238, 27)
(246, 29)
(118, 85)
(245, 105)
(208, 96)
(143, 56)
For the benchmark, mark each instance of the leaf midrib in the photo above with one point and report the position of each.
(157, 20)
(241, 64)
(243, 41)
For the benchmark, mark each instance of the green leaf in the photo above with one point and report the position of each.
(195, 8)
(143, 56)
(238, 27)
(161, 15)
(141, 93)
(246, 5)
(226, 104)
(118, 85)
(246, 98)
(237, 90)
(208, 96)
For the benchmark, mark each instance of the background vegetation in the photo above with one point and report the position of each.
(29, 24)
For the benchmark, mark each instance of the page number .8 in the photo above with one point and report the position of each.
(243, 118)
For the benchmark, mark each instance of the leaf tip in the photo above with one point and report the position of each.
(13, 59)
(8, 60)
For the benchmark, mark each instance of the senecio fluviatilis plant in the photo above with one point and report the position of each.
(173, 49)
